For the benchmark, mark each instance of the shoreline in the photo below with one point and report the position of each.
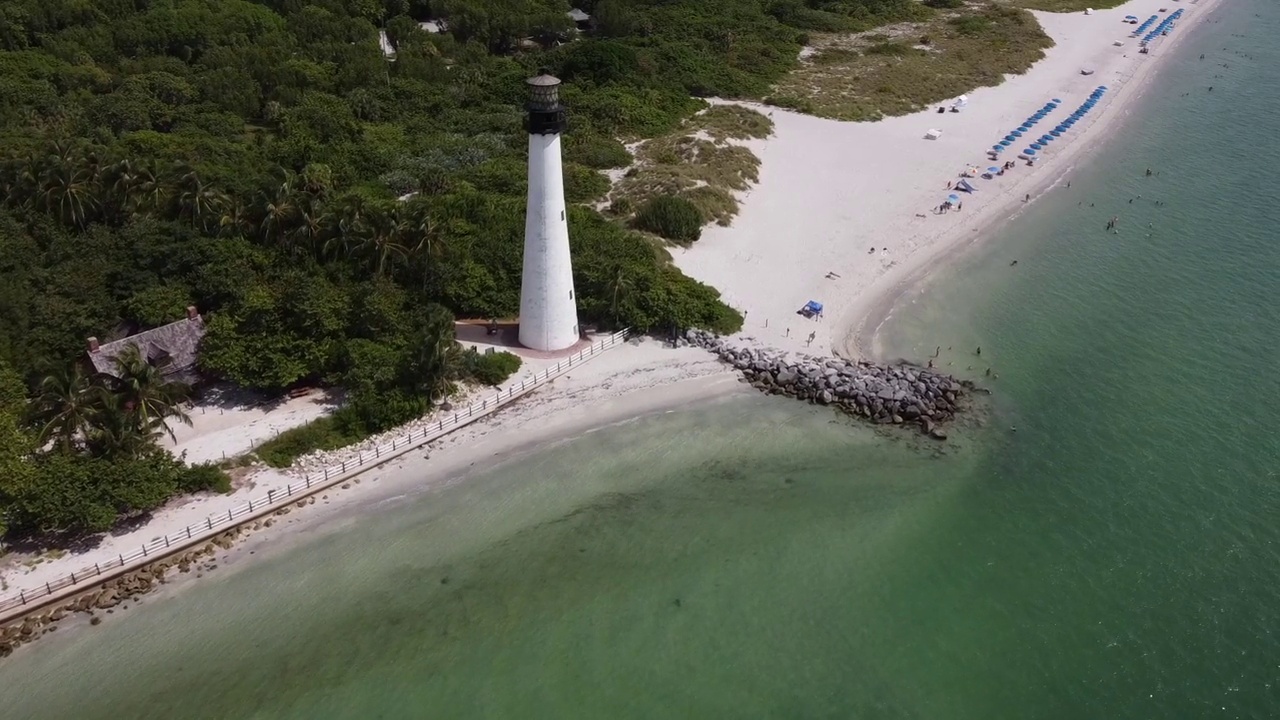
(842, 213)
(644, 378)
(637, 380)
(866, 320)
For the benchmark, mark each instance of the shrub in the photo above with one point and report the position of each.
(621, 207)
(670, 217)
(595, 151)
(582, 184)
(888, 48)
(491, 369)
(971, 24)
(944, 4)
(326, 433)
(205, 476)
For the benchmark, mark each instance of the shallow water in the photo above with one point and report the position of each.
(1116, 556)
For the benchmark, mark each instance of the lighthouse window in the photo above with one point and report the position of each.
(570, 294)
(561, 216)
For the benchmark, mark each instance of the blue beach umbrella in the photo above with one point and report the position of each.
(1005, 144)
(1028, 151)
(953, 198)
(996, 148)
(1056, 132)
(1036, 146)
(1046, 139)
(1056, 100)
(993, 169)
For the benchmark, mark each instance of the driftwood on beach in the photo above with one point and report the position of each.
(885, 394)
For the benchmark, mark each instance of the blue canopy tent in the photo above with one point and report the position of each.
(811, 308)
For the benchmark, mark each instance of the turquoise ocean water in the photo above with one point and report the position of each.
(1117, 556)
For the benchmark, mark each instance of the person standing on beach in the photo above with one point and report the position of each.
(1027, 198)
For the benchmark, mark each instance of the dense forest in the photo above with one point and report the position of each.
(328, 209)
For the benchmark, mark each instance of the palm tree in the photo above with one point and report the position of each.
(346, 226)
(29, 179)
(277, 215)
(120, 182)
(69, 192)
(381, 241)
(147, 396)
(148, 192)
(66, 407)
(620, 285)
(422, 237)
(115, 432)
(438, 363)
(197, 202)
(235, 220)
(309, 228)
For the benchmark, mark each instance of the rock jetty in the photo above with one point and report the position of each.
(886, 394)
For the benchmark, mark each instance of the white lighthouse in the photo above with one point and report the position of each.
(548, 310)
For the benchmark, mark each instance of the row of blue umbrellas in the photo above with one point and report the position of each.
(1166, 24)
(1026, 125)
(1066, 125)
(1145, 25)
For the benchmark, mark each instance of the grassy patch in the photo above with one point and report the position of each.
(326, 433)
(490, 369)
(1068, 5)
(700, 163)
(907, 67)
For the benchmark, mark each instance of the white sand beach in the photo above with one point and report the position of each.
(829, 192)
(857, 199)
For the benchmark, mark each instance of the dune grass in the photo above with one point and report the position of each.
(1063, 6)
(903, 68)
(701, 162)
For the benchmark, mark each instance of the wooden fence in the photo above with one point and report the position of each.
(17, 604)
